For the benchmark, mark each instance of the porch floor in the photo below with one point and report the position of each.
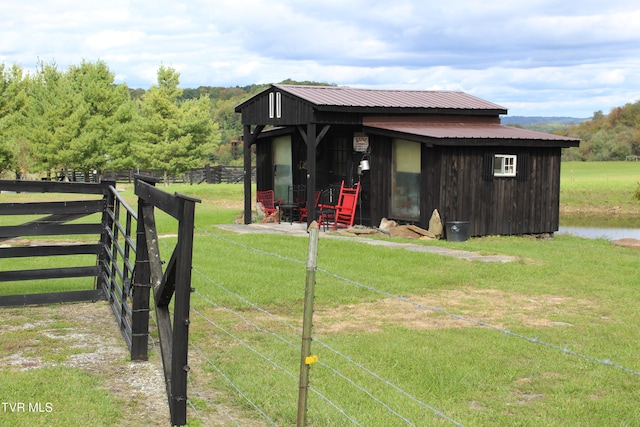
(300, 229)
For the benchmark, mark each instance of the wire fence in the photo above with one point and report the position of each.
(377, 389)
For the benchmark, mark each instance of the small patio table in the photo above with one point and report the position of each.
(289, 211)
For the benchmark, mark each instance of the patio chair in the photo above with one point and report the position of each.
(343, 214)
(326, 207)
(304, 209)
(268, 205)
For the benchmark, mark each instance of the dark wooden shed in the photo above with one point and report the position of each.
(426, 150)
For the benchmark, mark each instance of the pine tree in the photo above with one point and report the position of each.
(175, 135)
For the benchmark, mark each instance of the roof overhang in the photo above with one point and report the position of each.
(465, 134)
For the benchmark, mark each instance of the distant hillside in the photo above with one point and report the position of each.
(529, 121)
(542, 124)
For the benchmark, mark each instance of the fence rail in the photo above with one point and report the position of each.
(118, 269)
(51, 219)
(207, 174)
(126, 269)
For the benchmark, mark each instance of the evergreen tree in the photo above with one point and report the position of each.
(56, 115)
(15, 150)
(174, 136)
(109, 128)
(80, 120)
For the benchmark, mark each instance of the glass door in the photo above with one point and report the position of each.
(282, 171)
(405, 179)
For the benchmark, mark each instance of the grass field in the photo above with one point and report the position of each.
(403, 338)
(600, 192)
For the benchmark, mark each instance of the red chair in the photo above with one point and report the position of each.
(268, 205)
(343, 214)
(304, 209)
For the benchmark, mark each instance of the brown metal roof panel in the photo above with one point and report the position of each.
(462, 131)
(349, 97)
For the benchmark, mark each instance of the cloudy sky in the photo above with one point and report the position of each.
(534, 57)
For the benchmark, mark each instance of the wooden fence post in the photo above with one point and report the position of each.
(306, 359)
(181, 307)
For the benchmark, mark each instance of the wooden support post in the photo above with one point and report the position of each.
(247, 173)
(312, 138)
(249, 138)
(311, 173)
(306, 359)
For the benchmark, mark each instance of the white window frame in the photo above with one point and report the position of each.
(275, 107)
(505, 165)
(271, 105)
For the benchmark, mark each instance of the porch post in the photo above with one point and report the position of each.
(311, 172)
(246, 138)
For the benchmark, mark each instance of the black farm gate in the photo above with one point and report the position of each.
(127, 266)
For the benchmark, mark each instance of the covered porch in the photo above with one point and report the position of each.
(302, 169)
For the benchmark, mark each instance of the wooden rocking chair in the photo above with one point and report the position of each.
(343, 213)
(267, 203)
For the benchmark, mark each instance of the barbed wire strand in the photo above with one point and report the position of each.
(208, 401)
(326, 346)
(195, 411)
(291, 344)
(340, 410)
(232, 384)
(268, 359)
(441, 310)
(564, 350)
(191, 386)
(322, 396)
(192, 389)
(226, 378)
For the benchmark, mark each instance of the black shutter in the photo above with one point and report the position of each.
(487, 167)
(522, 166)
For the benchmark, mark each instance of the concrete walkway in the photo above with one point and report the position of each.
(297, 229)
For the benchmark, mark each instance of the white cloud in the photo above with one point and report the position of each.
(109, 39)
(538, 57)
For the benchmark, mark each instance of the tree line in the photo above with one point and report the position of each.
(613, 136)
(55, 121)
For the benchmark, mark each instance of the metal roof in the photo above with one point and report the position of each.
(472, 131)
(335, 96)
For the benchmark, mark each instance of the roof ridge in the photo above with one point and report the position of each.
(285, 85)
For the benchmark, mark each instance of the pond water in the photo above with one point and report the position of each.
(601, 233)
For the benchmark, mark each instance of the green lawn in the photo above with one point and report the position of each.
(597, 192)
(404, 337)
(609, 176)
(573, 293)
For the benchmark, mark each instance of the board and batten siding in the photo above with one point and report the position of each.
(462, 189)
(289, 110)
(458, 182)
